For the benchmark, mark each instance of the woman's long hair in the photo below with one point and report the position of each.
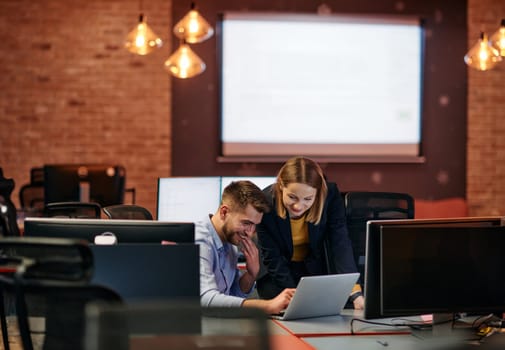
(305, 171)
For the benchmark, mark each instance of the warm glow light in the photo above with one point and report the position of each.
(142, 40)
(184, 63)
(498, 39)
(482, 56)
(193, 28)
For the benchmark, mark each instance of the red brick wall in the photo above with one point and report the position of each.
(70, 93)
(486, 118)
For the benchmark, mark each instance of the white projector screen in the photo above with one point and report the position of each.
(320, 85)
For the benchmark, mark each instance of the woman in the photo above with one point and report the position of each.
(305, 212)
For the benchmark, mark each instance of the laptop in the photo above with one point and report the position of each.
(318, 296)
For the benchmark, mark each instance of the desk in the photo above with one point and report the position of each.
(389, 342)
(334, 332)
(281, 339)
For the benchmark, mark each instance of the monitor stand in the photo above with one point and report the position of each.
(442, 324)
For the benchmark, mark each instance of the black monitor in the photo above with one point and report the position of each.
(100, 183)
(416, 267)
(148, 272)
(126, 231)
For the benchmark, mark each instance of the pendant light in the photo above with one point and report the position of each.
(142, 40)
(193, 28)
(184, 63)
(482, 56)
(498, 39)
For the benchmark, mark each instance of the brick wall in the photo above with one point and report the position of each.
(486, 118)
(72, 94)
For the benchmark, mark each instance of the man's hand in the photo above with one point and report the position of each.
(252, 262)
(275, 305)
(281, 301)
(251, 255)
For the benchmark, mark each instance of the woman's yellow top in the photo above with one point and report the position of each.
(300, 236)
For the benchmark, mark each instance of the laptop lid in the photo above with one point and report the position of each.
(318, 296)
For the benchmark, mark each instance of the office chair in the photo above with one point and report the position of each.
(31, 195)
(50, 281)
(165, 325)
(127, 211)
(8, 213)
(73, 210)
(361, 207)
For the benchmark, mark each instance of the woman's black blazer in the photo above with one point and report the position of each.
(276, 243)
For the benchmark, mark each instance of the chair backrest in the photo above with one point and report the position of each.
(175, 326)
(73, 210)
(8, 216)
(363, 206)
(127, 211)
(31, 196)
(56, 259)
(50, 283)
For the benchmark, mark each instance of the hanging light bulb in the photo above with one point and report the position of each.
(142, 39)
(193, 28)
(184, 63)
(482, 56)
(498, 39)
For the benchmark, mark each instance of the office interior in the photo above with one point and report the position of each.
(72, 94)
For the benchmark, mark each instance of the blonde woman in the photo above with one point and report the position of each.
(305, 211)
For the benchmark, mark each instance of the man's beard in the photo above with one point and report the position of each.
(230, 235)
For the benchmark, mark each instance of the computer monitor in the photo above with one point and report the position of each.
(148, 272)
(191, 198)
(416, 267)
(126, 231)
(100, 183)
(187, 198)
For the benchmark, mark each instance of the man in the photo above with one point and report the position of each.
(220, 237)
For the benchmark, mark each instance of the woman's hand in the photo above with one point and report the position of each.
(359, 303)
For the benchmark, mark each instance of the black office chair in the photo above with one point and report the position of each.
(363, 206)
(73, 210)
(8, 213)
(31, 195)
(127, 211)
(50, 281)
